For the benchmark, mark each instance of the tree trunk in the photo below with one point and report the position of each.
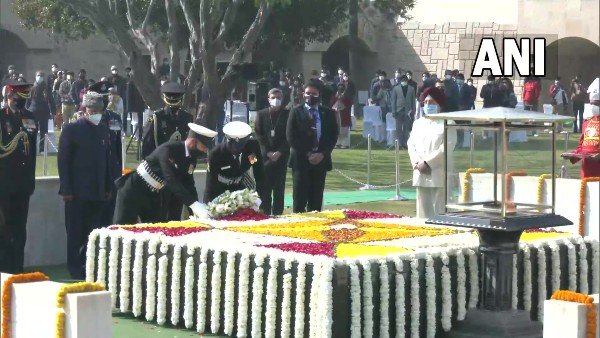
(171, 8)
(353, 45)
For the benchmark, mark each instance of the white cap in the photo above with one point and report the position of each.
(237, 130)
(201, 130)
(594, 90)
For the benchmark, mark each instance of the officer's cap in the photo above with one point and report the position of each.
(11, 67)
(113, 67)
(237, 130)
(100, 87)
(201, 133)
(172, 88)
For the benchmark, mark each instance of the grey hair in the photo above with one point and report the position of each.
(275, 90)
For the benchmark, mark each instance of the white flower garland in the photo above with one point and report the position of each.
(176, 285)
(125, 275)
(202, 283)
(286, 302)
(257, 292)
(151, 288)
(113, 270)
(300, 300)
(188, 289)
(138, 263)
(473, 279)
(526, 278)
(583, 266)
(400, 295)
(430, 292)
(446, 294)
(461, 281)
(384, 295)
(541, 280)
(595, 264)
(90, 262)
(313, 315)
(102, 258)
(326, 300)
(215, 293)
(229, 293)
(367, 300)
(242, 302)
(555, 258)
(271, 306)
(161, 293)
(572, 258)
(354, 301)
(415, 303)
(515, 284)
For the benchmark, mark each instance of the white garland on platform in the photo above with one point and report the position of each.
(176, 285)
(313, 315)
(202, 283)
(102, 258)
(300, 301)
(555, 259)
(90, 263)
(572, 259)
(461, 281)
(367, 300)
(271, 306)
(188, 289)
(430, 292)
(446, 294)
(286, 302)
(125, 275)
(473, 279)
(138, 263)
(415, 302)
(583, 266)
(595, 264)
(526, 278)
(400, 295)
(541, 280)
(257, 292)
(354, 301)
(229, 293)
(515, 284)
(161, 293)
(113, 270)
(151, 288)
(242, 302)
(215, 293)
(326, 300)
(384, 305)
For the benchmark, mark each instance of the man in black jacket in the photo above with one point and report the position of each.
(18, 132)
(270, 128)
(171, 167)
(312, 132)
(39, 104)
(76, 88)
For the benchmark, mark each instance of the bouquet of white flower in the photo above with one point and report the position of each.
(229, 202)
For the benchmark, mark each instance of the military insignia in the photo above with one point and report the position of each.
(176, 136)
(252, 159)
(191, 169)
(163, 124)
(29, 123)
(151, 118)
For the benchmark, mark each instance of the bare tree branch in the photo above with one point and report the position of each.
(191, 20)
(147, 17)
(129, 15)
(171, 9)
(226, 23)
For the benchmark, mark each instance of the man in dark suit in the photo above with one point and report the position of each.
(451, 92)
(270, 128)
(465, 93)
(170, 166)
(39, 104)
(312, 132)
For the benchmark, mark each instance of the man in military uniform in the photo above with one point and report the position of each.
(169, 167)
(18, 134)
(230, 162)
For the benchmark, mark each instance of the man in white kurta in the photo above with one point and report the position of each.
(426, 150)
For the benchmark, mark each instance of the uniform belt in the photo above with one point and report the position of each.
(245, 180)
(154, 182)
(229, 181)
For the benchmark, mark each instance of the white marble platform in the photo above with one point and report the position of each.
(33, 311)
(567, 319)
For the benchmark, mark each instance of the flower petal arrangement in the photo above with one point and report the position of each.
(245, 274)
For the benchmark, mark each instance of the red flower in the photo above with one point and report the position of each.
(323, 249)
(243, 215)
(357, 214)
(173, 231)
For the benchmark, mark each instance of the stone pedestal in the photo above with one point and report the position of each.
(481, 323)
(566, 319)
(33, 311)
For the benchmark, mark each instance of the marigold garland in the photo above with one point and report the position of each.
(570, 296)
(6, 296)
(60, 301)
(509, 177)
(466, 191)
(582, 192)
(126, 171)
(540, 187)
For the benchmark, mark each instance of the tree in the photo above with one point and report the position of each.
(202, 27)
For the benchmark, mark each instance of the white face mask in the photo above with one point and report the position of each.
(114, 72)
(448, 77)
(282, 83)
(39, 79)
(345, 78)
(403, 83)
(408, 76)
(323, 75)
(275, 102)
(470, 83)
(340, 73)
(95, 118)
(430, 109)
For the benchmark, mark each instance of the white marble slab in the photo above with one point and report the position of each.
(566, 319)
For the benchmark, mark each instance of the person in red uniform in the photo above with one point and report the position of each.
(589, 142)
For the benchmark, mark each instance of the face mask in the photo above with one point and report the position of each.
(95, 118)
(470, 83)
(345, 78)
(20, 103)
(448, 77)
(590, 110)
(424, 78)
(340, 73)
(408, 76)
(460, 82)
(114, 72)
(430, 109)
(282, 83)
(403, 83)
(39, 79)
(323, 75)
(555, 82)
(490, 81)
(69, 78)
(311, 100)
(381, 78)
(275, 102)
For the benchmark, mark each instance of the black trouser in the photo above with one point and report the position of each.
(81, 217)
(578, 113)
(309, 184)
(135, 199)
(13, 231)
(275, 184)
(43, 129)
(170, 206)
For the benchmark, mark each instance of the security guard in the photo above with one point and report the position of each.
(86, 178)
(169, 167)
(18, 133)
(230, 162)
(169, 123)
